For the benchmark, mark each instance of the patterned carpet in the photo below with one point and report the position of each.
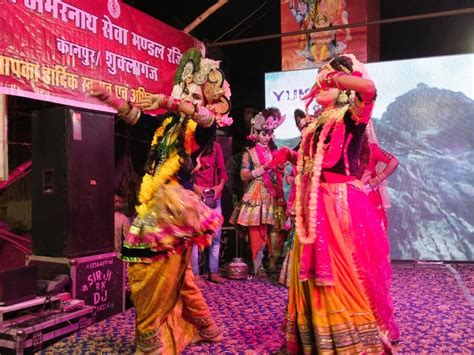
(434, 308)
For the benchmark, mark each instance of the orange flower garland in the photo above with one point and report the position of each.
(306, 230)
(169, 168)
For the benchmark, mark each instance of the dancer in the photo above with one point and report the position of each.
(301, 121)
(171, 311)
(262, 208)
(376, 166)
(339, 288)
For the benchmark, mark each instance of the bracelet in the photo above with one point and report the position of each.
(257, 172)
(124, 109)
(331, 79)
(161, 103)
(381, 177)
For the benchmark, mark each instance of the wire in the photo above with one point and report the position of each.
(238, 24)
(16, 143)
(253, 23)
(338, 27)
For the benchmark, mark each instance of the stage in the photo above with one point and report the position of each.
(433, 303)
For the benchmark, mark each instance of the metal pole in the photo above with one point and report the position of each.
(350, 25)
(205, 15)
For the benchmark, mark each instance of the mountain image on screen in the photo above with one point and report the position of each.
(432, 195)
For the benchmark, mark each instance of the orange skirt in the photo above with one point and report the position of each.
(333, 318)
(170, 307)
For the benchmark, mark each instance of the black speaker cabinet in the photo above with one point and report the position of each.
(72, 182)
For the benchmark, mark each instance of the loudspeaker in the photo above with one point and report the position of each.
(72, 182)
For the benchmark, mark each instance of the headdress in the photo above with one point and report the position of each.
(268, 120)
(194, 69)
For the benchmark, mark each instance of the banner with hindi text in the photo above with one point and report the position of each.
(56, 51)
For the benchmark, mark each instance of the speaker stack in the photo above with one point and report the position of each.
(72, 183)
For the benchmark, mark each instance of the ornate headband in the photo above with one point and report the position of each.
(205, 73)
(260, 122)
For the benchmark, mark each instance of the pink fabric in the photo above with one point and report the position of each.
(365, 240)
(204, 176)
(292, 195)
(315, 261)
(372, 258)
(376, 198)
(267, 179)
(376, 155)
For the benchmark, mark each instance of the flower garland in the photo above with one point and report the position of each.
(169, 166)
(307, 230)
(266, 175)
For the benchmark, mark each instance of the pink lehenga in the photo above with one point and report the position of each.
(339, 297)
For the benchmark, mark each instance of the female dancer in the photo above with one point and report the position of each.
(171, 311)
(262, 208)
(339, 288)
(376, 166)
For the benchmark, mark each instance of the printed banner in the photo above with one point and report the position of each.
(311, 50)
(56, 51)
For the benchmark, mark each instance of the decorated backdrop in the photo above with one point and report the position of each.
(57, 50)
(311, 50)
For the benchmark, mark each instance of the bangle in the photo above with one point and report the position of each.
(331, 79)
(131, 116)
(381, 177)
(124, 109)
(257, 172)
(162, 101)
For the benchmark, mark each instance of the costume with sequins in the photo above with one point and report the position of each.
(339, 297)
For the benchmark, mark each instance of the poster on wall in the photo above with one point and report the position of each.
(56, 51)
(312, 50)
(424, 116)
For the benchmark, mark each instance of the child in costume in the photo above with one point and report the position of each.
(262, 207)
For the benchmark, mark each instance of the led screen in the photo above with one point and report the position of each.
(424, 115)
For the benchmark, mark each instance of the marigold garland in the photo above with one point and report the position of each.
(307, 230)
(168, 168)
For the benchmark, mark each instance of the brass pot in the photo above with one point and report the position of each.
(237, 269)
